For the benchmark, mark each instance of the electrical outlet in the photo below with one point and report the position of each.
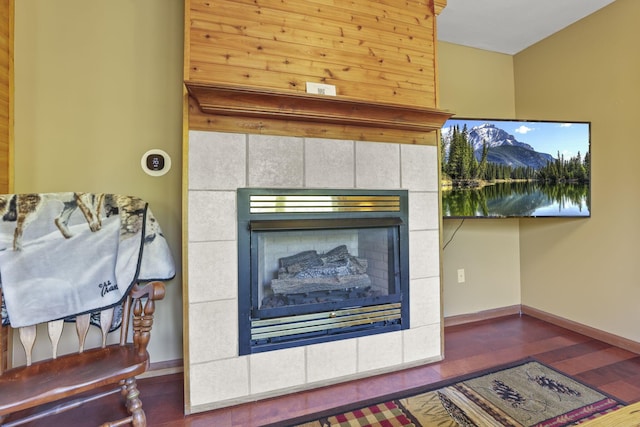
(461, 275)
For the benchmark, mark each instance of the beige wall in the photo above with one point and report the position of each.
(578, 269)
(586, 270)
(97, 85)
(478, 83)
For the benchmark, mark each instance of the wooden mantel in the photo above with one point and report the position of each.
(256, 103)
(247, 63)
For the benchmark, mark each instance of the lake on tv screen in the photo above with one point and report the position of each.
(515, 168)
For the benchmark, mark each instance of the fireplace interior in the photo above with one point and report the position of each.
(320, 265)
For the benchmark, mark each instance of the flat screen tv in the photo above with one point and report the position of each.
(496, 168)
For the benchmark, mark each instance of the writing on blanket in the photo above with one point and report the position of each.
(106, 287)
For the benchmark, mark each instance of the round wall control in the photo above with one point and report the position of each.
(155, 162)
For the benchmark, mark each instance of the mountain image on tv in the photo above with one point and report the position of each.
(487, 171)
(504, 148)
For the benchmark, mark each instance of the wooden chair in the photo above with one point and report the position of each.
(64, 382)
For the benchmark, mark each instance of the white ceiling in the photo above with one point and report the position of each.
(509, 26)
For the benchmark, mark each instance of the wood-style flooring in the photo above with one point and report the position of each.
(468, 348)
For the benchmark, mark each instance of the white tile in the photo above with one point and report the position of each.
(212, 215)
(379, 351)
(213, 330)
(424, 301)
(278, 369)
(218, 381)
(377, 165)
(422, 343)
(217, 160)
(329, 163)
(275, 161)
(419, 167)
(213, 271)
(223, 162)
(423, 211)
(330, 360)
(424, 254)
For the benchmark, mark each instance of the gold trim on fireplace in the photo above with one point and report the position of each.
(293, 325)
(322, 203)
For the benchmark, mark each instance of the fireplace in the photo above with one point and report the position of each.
(220, 164)
(320, 265)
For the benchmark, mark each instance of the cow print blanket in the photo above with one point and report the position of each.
(64, 254)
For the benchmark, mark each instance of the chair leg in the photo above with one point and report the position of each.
(134, 404)
(130, 395)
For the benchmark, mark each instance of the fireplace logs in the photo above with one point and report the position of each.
(309, 271)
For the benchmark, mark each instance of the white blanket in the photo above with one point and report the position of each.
(75, 253)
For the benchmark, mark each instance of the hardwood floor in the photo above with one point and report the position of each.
(468, 348)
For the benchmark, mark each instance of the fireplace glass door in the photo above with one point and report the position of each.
(308, 270)
(316, 266)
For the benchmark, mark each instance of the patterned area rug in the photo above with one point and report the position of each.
(525, 394)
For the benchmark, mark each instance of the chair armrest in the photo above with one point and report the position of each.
(152, 290)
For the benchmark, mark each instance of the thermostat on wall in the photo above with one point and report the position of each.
(155, 162)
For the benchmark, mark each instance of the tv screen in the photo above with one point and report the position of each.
(500, 168)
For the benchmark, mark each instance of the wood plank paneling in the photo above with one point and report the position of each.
(379, 52)
(364, 48)
(6, 93)
(6, 132)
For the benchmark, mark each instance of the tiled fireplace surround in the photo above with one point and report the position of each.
(218, 164)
